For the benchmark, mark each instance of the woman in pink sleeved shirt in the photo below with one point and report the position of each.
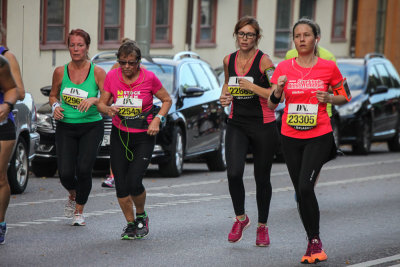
(132, 88)
(307, 139)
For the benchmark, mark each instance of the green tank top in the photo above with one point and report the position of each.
(72, 94)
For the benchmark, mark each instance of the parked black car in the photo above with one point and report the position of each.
(195, 124)
(27, 140)
(373, 113)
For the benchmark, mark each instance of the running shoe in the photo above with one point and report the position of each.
(317, 253)
(237, 229)
(142, 225)
(69, 208)
(3, 231)
(307, 257)
(129, 232)
(78, 220)
(109, 182)
(262, 236)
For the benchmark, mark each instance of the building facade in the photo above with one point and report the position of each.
(36, 30)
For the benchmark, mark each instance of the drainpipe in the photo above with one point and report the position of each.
(143, 26)
(189, 24)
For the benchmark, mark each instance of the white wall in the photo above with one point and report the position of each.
(23, 28)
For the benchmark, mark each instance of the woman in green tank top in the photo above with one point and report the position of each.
(79, 132)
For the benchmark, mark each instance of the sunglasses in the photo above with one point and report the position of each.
(130, 63)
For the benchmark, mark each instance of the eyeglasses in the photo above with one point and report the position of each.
(249, 35)
(130, 63)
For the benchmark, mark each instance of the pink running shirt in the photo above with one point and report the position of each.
(146, 85)
(301, 87)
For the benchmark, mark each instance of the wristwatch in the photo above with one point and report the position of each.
(10, 105)
(161, 117)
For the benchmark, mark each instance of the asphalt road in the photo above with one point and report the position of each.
(190, 217)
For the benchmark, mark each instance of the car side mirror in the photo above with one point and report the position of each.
(380, 89)
(46, 90)
(192, 92)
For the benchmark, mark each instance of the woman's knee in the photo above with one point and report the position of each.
(137, 190)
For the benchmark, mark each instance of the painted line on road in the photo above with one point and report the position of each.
(204, 199)
(216, 181)
(378, 261)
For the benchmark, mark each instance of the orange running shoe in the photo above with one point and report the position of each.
(307, 257)
(317, 253)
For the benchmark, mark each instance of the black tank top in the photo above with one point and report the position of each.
(246, 106)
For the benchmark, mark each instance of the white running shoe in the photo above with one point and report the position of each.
(69, 208)
(108, 183)
(79, 220)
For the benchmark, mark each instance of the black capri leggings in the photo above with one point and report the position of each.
(264, 141)
(304, 159)
(128, 174)
(77, 147)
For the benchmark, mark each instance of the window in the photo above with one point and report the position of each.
(211, 75)
(394, 75)
(283, 27)
(206, 22)
(111, 23)
(186, 78)
(3, 22)
(373, 79)
(201, 76)
(54, 17)
(384, 75)
(247, 8)
(162, 23)
(380, 26)
(339, 20)
(307, 9)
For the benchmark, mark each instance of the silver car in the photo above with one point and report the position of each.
(27, 140)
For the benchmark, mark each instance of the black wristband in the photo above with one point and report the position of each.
(274, 99)
(10, 105)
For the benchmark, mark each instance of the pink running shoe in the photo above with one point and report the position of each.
(237, 230)
(262, 236)
(109, 182)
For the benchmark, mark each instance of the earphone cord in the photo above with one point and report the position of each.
(128, 152)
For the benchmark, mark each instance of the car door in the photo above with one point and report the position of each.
(190, 107)
(210, 126)
(388, 112)
(376, 100)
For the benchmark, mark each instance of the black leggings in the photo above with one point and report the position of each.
(263, 141)
(128, 174)
(304, 159)
(77, 145)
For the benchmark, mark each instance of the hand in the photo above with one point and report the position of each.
(58, 115)
(281, 84)
(324, 97)
(112, 111)
(154, 127)
(4, 110)
(225, 99)
(86, 104)
(245, 84)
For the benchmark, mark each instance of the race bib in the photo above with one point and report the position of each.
(236, 91)
(129, 107)
(302, 117)
(74, 96)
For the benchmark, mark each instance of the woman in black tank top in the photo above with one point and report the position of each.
(251, 124)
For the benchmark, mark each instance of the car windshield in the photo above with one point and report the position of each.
(354, 74)
(106, 65)
(163, 72)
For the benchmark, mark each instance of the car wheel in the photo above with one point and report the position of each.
(44, 168)
(174, 166)
(216, 160)
(18, 170)
(394, 143)
(363, 142)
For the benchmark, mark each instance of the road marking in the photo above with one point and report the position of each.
(207, 197)
(222, 180)
(378, 261)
